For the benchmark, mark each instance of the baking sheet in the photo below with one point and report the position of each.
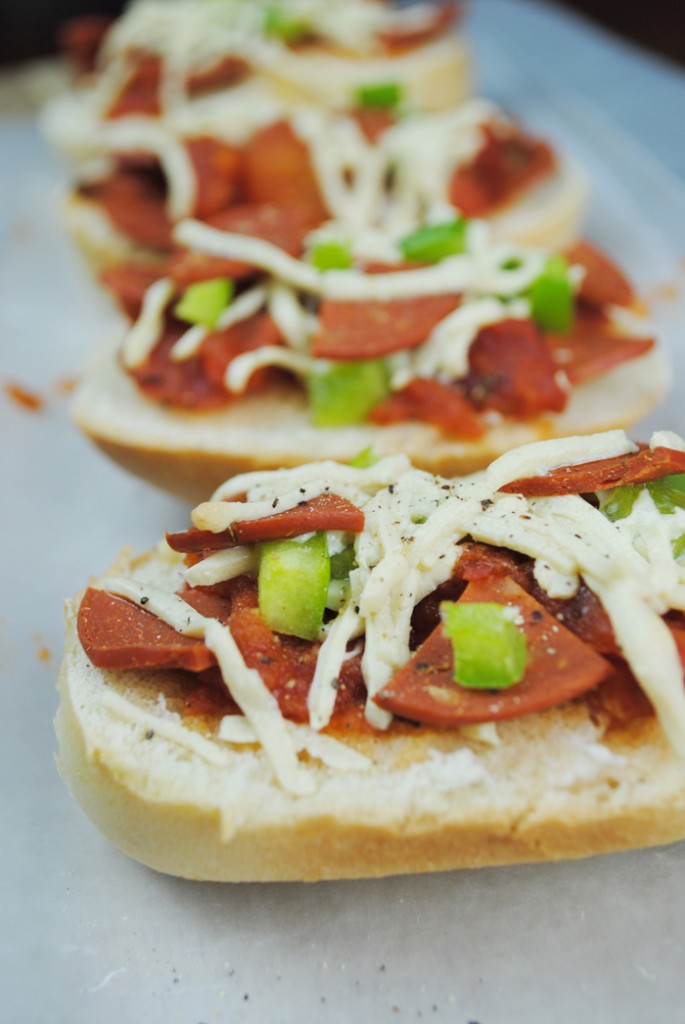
(89, 935)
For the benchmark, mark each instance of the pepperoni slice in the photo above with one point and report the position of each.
(217, 173)
(225, 71)
(129, 281)
(510, 370)
(325, 512)
(593, 347)
(220, 348)
(431, 401)
(507, 163)
(283, 226)
(604, 283)
(182, 385)
(367, 330)
(194, 541)
(140, 94)
(635, 468)
(560, 667)
(116, 633)
(135, 202)
(277, 168)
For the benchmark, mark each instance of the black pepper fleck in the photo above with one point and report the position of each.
(144, 600)
(149, 734)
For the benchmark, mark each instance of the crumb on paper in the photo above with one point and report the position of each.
(65, 386)
(23, 397)
(43, 652)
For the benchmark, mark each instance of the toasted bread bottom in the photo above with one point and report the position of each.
(167, 792)
(190, 454)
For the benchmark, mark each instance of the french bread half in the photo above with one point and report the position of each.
(190, 795)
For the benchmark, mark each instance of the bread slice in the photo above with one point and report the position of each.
(171, 794)
(190, 454)
(436, 75)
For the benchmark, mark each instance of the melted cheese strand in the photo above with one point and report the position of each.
(324, 685)
(221, 566)
(479, 271)
(236, 729)
(146, 331)
(641, 632)
(259, 707)
(295, 323)
(327, 475)
(170, 608)
(240, 369)
(446, 349)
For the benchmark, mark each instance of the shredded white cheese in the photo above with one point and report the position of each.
(146, 331)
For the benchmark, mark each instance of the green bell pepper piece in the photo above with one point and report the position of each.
(435, 242)
(490, 651)
(551, 297)
(292, 583)
(347, 392)
(204, 302)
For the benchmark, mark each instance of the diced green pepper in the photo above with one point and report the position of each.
(678, 546)
(342, 563)
(204, 302)
(618, 502)
(364, 459)
(435, 242)
(293, 584)
(490, 651)
(551, 297)
(347, 392)
(331, 255)
(280, 25)
(666, 493)
(379, 96)
(677, 480)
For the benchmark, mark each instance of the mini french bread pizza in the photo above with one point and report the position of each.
(158, 56)
(347, 670)
(445, 344)
(378, 164)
